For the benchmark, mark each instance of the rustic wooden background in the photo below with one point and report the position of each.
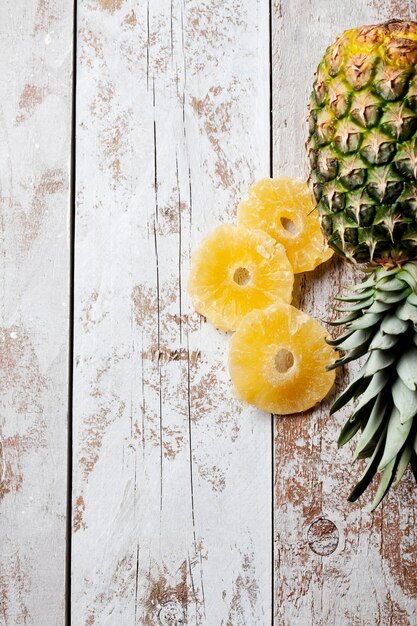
(128, 130)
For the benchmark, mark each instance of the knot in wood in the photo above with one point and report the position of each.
(323, 536)
(171, 614)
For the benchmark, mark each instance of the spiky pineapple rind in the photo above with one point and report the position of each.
(362, 143)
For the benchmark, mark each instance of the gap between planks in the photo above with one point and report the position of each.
(72, 214)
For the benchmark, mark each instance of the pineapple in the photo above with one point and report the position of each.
(276, 360)
(283, 207)
(236, 270)
(362, 149)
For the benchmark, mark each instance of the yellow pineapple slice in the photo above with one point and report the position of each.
(283, 207)
(277, 360)
(236, 270)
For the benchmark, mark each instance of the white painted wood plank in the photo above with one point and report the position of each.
(35, 131)
(172, 476)
(361, 570)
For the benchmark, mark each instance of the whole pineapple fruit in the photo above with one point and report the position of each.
(362, 149)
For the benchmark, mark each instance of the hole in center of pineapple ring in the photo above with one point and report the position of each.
(241, 276)
(284, 360)
(289, 226)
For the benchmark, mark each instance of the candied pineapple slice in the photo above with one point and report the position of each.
(277, 360)
(236, 270)
(283, 207)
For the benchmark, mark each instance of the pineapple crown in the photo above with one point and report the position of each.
(381, 321)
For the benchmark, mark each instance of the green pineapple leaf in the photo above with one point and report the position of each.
(391, 284)
(385, 483)
(366, 321)
(352, 356)
(403, 464)
(377, 384)
(357, 339)
(412, 299)
(407, 311)
(397, 434)
(355, 388)
(376, 418)
(344, 320)
(369, 472)
(379, 307)
(340, 339)
(363, 304)
(411, 271)
(383, 342)
(405, 400)
(365, 295)
(353, 424)
(378, 360)
(407, 367)
(392, 325)
(392, 297)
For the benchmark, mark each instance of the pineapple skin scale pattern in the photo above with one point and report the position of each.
(362, 143)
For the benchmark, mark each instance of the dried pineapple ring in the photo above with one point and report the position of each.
(236, 270)
(277, 360)
(283, 207)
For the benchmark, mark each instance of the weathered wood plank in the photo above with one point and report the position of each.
(335, 563)
(172, 477)
(35, 131)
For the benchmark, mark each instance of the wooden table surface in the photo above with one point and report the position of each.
(134, 488)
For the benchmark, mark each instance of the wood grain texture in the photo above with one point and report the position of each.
(172, 476)
(335, 563)
(35, 131)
